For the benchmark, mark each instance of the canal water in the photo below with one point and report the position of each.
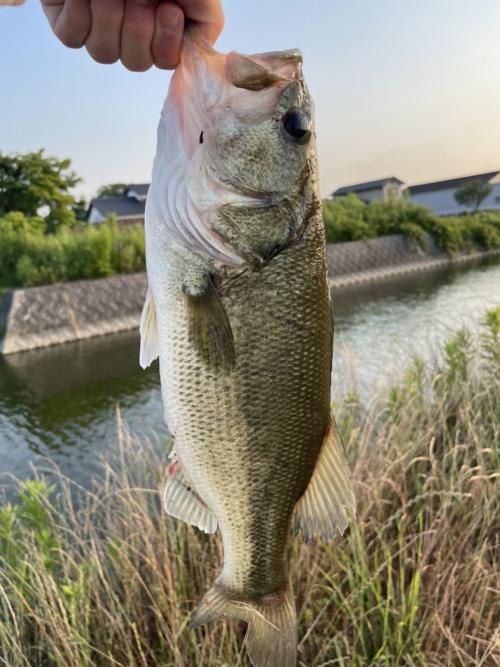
(59, 405)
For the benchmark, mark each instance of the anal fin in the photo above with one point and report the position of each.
(182, 502)
(328, 502)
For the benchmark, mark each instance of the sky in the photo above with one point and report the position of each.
(410, 89)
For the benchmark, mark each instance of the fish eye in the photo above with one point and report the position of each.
(297, 125)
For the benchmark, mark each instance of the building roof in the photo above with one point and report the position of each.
(451, 183)
(122, 207)
(363, 187)
(140, 188)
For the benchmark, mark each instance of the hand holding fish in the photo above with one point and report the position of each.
(140, 33)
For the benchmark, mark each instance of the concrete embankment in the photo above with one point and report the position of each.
(43, 316)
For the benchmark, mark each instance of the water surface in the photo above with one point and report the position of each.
(60, 403)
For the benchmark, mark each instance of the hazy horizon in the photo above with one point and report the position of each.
(406, 91)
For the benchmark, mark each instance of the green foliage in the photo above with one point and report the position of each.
(32, 181)
(472, 194)
(490, 343)
(30, 256)
(112, 190)
(458, 356)
(345, 220)
(350, 219)
(80, 208)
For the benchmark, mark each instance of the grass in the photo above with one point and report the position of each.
(104, 578)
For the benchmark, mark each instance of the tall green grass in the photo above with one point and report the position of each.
(111, 581)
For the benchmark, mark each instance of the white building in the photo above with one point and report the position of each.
(128, 207)
(440, 195)
(382, 189)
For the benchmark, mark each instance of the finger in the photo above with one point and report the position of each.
(167, 39)
(137, 34)
(70, 20)
(207, 14)
(103, 42)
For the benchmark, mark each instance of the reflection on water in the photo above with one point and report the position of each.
(380, 327)
(60, 403)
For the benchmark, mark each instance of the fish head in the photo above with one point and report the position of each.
(263, 132)
(235, 130)
(253, 115)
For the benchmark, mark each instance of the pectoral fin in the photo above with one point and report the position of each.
(328, 502)
(150, 347)
(182, 502)
(209, 328)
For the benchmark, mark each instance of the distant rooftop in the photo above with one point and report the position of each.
(140, 188)
(369, 185)
(123, 206)
(451, 183)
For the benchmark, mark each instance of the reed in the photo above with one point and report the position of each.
(102, 577)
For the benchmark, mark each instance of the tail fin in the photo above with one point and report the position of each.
(272, 624)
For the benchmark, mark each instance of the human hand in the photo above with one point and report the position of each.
(140, 33)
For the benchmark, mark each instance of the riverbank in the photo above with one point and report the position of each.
(413, 581)
(42, 316)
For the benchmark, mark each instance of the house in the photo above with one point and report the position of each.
(381, 189)
(129, 208)
(439, 196)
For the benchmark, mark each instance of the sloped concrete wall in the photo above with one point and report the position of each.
(387, 257)
(43, 316)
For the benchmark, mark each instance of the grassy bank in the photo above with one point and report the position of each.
(413, 582)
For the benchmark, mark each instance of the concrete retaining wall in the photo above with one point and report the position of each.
(386, 257)
(43, 316)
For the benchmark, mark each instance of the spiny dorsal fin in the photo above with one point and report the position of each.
(328, 502)
(150, 346)
(182, 502)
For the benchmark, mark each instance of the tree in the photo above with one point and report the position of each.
(35, 184)
(472, 194)
(112, 190)
(80, 209)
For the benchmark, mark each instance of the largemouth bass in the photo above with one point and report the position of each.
(239, 313)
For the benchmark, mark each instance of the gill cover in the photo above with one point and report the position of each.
(185, 192)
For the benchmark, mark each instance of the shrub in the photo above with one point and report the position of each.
(349, 219)
(31, 256)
